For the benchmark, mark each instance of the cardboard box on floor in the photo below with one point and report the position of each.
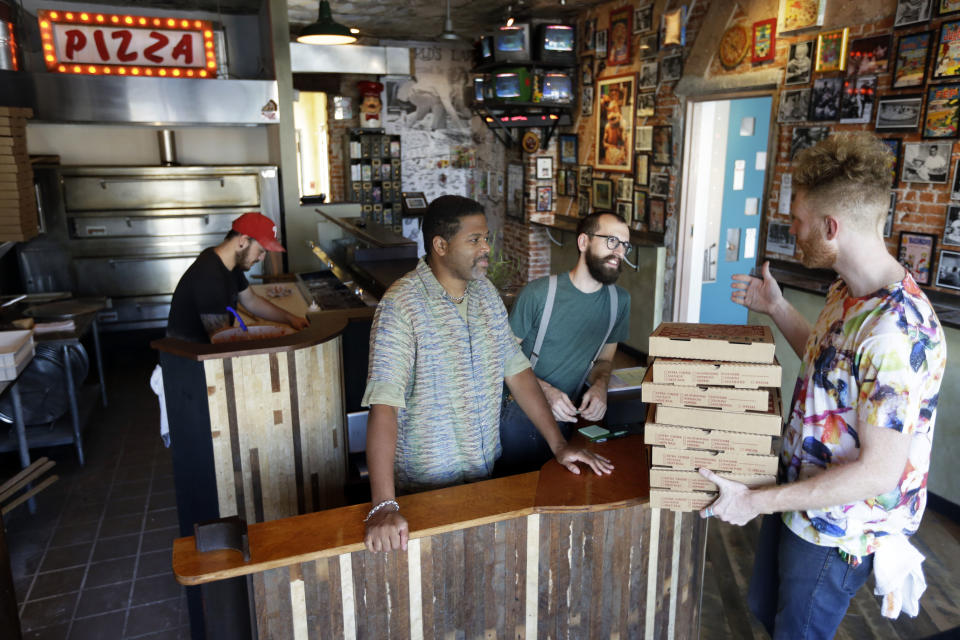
(716, 461)
(741, 375)
(672, 437)
(666, 478)
(726, 342)
(763, 422)
(680, 500)
(725, 398)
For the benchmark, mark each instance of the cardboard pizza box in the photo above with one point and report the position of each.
(680, 500)
(741, 375)
(724, 398)
(672, 437)
(727, 342)
(767, 422)
(666, 478)
(716, 461)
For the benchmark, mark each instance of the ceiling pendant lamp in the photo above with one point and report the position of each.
(326, 30)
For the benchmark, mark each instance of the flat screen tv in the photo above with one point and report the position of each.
(512, 44)
(512, 85)
(556, 88)
(556, 44)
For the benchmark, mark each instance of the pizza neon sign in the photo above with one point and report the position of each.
(93, 43)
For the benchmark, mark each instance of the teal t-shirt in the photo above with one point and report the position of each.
(577, 326)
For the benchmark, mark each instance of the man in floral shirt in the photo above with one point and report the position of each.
(856, 449)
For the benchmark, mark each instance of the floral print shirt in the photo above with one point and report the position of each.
(876, 360)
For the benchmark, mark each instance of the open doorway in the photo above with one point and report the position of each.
(723, 194)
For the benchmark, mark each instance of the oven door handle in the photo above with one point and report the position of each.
(115, 262)
(104, 183)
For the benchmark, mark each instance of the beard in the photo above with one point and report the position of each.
(600, 270)
(816, 253)
(243, 259)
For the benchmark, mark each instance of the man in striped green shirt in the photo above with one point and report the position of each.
(440, 350)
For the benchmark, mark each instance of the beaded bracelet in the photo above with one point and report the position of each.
(383, 504)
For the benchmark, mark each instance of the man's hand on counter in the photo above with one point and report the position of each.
(386, 531)
(569, 456)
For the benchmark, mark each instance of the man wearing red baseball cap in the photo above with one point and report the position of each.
(214, 284)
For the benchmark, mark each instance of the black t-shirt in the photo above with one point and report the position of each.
(202, 296)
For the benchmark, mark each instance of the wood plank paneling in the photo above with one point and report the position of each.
(288, 407)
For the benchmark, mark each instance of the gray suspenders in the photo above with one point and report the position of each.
(545, 320)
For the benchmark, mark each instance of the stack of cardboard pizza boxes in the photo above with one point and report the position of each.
(18, 204)
(713, 395)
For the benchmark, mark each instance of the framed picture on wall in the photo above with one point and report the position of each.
(948, 52)
(602, 194)
(639, 209)
(570, 189)
(899, 113)
(656, 214)
(544, 168)
(943, 111)
(641, 171)
(857, 98)
(614, 147)
(659, 185)
(910, 60)
(568, 148)
(644, 138)
(648, 75)
(764, 40)
(948, 272)
(586, 101)
(586, 70)
(915, 252)
(647, 46)
(600, 42)
(946, 7)
(672, 68)
(794, 105)
(621, 36)
(891, 213)
(893, 144)
(780, 240)
(625, 211)
(663, 145)
(561, 182)
(926, 162)
(825, 98)
(799, 63)
(643, 19)
(586, 176)
(646, 104)
(869, 55)
(911, 12)
(544, 198)
(625, 189)
(955, 191)
(583, 203)
(805, 137)
(514, 204)
(832, 50)
(799, 15)
(951, 226)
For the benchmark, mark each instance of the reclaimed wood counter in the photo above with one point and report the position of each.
(547, 554)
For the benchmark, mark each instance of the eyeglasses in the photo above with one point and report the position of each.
(613, 242)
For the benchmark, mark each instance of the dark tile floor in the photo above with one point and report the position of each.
(94, 560)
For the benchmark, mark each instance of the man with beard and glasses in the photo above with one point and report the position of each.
(588, 315)
(440, 351)
(856, 447)
(215, 281)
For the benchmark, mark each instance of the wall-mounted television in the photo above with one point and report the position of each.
(513, 85)
(556, 88)
(484, 50)
(557, 44)
(512, 44)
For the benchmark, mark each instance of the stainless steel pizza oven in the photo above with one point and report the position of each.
(129, 233)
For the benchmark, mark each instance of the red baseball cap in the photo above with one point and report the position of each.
(260, 228)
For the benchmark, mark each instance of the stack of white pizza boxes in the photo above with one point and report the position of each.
(713, 395)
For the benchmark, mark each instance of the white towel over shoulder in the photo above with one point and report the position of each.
(156, 383)
(899, 575)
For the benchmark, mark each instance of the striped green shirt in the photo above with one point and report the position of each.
(449, 374)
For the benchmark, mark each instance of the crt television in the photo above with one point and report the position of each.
(557, 44)
(556, 88)
(512, 44)
(513, 85)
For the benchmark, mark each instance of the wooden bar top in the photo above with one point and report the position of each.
(289, 541)
(324, 325)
